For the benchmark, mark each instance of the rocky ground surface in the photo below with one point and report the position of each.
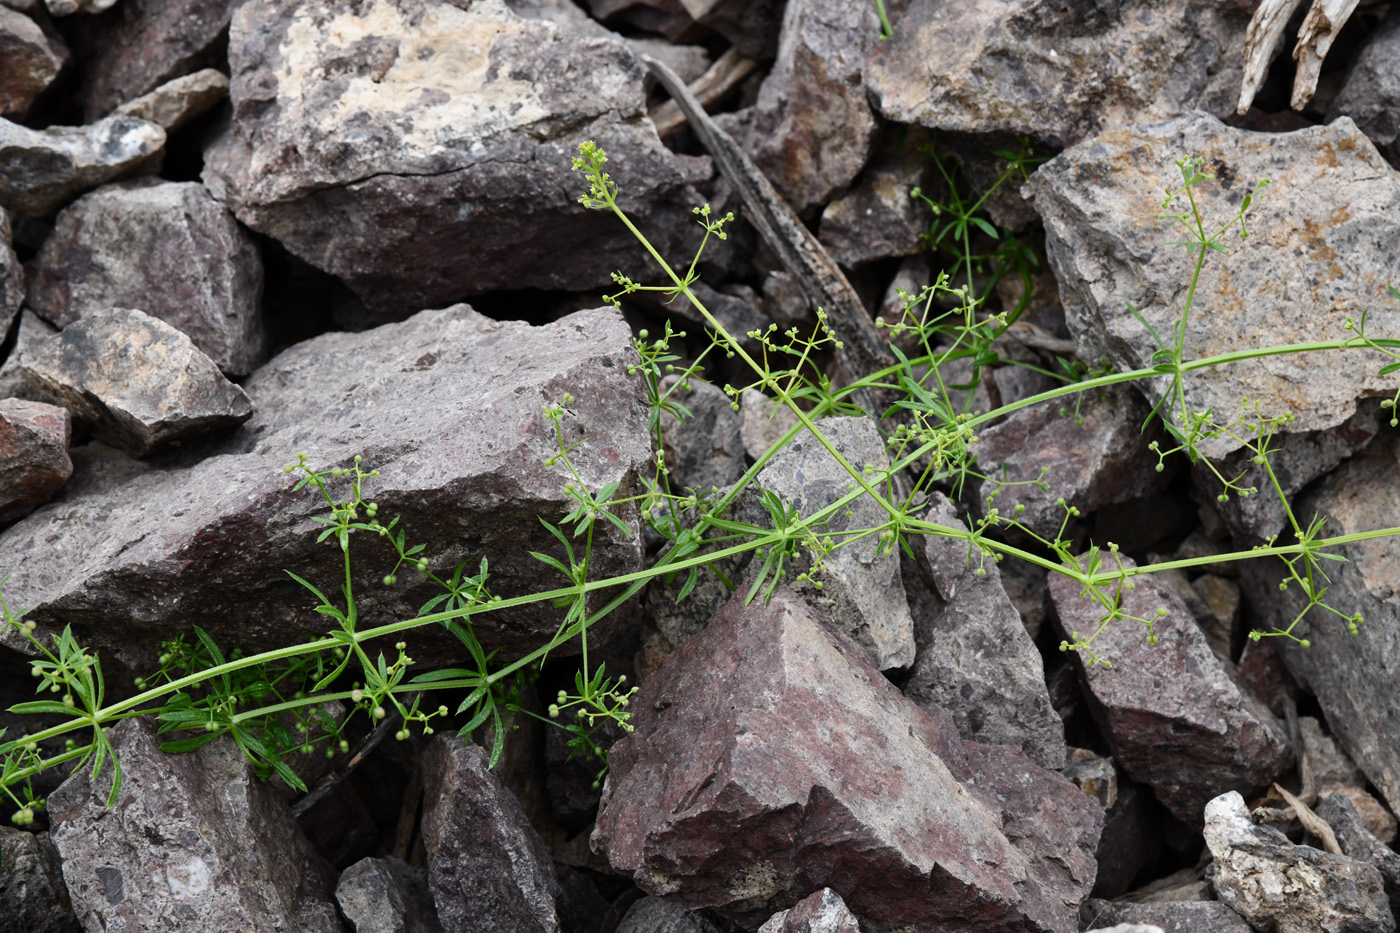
(236, 231)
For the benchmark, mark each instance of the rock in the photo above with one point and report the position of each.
(582, 904)
(41, 170)
(1131, 839)
(177, 102)
(813, 127)
(861, 590)
(1345, 671)
(1221, 598)
(433, 160)
(167, 248)
(340, 825)
(1312, 261)
(762, 422)
(387, 895)
(1090, 453)
(1263, 672)
(33, 897)
(1057, 73)
(1130, 928)
(739, 314)
(752, 26)
(194, 843)
(69, 7)
(134, 381)
(1172, 712)
(1371, 94)
(11, 278)
(143, 44)
(770, 760)
(34, 462)
(705, 451)
(878, 219)
(30, 60)
(1024, 584)
(974, 656)
(1324, 764)
(487, 868)
(1170, 916)
(1278, 886)
(666, 17)
(1358, 842)
(653, 915)
(211, 544)
(32, 329)
(822, 912)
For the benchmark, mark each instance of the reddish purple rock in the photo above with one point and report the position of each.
(34, 462)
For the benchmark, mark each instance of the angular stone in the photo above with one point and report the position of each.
(812, 125)
(195, 842)
(211, 544)
(705, 451)
(1278, 886)
(134, 381)
(1357, 841)
(11, 278)
(1170, 916)
(167, 248)
(34, 462)
(769, 760)
(822, 912)
(653, 915)
(41, 170)
(761, 423)
(387, 895)
(1371, 94)
(1173, 713)
(878, 219)
(665, 17)
(30, 60)
(421, 151)
(751, 26)
(143, 44)
(177, 102)
(1054, 72)
(1091, 452)
(1325, 765)
(862, 591)
(1130, 928)
(1321, 249)
(487, 868)
(31, 330)
(33, 897)
(1347, 673)
(975, 658)
(69, 7)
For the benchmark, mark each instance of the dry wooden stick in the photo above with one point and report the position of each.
(728, 71)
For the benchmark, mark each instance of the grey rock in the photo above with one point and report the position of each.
(1174, 714)
(11, 277)
(1221, 598)
(762, 421)
(195, 842)
(813, 127)
(1054, 72)
(1371, 94)
(877, 219)
(487, 868)
(665, 17)
(1281, 887)
(177, 102)
(211, 544)
(687, 61)
(653, 915)
(144, 44)
(167, 248)
(1323, 237)
(705, 451)
(420, 167)
(822, 912)
(1357, 841)
(33, 898)
(1347, 673)
(31, 330)
(862, 591)
(30, 59)
(752, 26)
(1325, 765)
(69, 7)
(1170, 917)
(34, 461)
(134, 381)
(770, 760)
(387, 895)
(975, 658)
(1130, 928)
(41, 170)
(1090, 452)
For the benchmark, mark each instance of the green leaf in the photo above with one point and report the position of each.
(446, 673)
(41, 706)
(1387, 370)
(189, 745)
(986, 228)
(288, 775)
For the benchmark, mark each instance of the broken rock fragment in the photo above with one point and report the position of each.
(386, 895)
(134, 381)
(33, 897)
(1276, 885)
(166, 247)
(34, 462)
(822, 912)
(30, 60)
(487, 867)
(1371, 94)
(653, 915)
(1168, 916)
(11, 277)
(177, 102)
(1174, 714)
(770, 760)
(31, 329)
(196, 842)
(41, 170)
